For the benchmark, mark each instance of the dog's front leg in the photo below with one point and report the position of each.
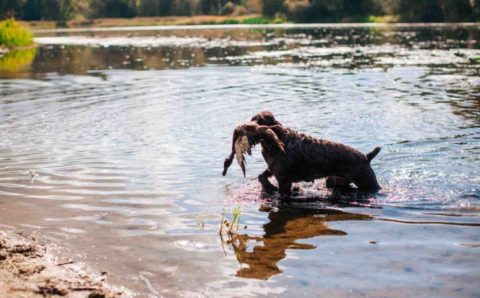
(284, 185)
(266, 185)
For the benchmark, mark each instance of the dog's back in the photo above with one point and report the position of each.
(307, 158)
(310, 158)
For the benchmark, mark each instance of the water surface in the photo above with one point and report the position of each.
(127, 133)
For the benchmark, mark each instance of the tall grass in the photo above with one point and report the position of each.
(13, 35)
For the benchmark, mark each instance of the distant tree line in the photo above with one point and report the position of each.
(295, 10)
(360, 10)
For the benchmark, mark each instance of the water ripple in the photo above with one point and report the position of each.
(123, 148)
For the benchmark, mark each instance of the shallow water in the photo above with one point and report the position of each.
(127, 133)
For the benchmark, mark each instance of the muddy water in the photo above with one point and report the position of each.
(127, 131)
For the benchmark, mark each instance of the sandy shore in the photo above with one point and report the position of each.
(29, 269)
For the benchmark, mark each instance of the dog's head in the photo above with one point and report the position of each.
(265, 118)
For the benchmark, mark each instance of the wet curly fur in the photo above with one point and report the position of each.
(307, 158)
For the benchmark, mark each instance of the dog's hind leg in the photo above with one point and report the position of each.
(266, 185)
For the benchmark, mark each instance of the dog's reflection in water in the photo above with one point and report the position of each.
(286, 226)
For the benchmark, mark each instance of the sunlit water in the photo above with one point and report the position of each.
(127, 133)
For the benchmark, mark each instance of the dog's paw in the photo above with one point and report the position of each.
(269, 189)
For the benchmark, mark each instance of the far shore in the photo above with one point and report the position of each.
(202, 22)
(143, 21)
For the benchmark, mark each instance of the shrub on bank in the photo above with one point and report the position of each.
(12, 35)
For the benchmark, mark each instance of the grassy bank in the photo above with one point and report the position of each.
(153, 21)
(13, 35)
(195, 20)
(183, 20)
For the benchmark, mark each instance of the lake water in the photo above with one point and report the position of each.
(127, 132)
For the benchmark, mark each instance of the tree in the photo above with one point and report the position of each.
(357, 7)
(211, 7)
(68, 10)
(165, 7)
(50, 10)
(458, 10)
(32, 10)
(182, 8)
(271, 7)
(148, 8)
(335, 10)
(476, 10)
(425, 11)
(10, 8)
(113, 8)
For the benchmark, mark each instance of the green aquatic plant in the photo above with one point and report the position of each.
(234, 240)
(238, 223)
(13, 35)
(235, 222)
(18, 59)
(201, 222)
(237, 215)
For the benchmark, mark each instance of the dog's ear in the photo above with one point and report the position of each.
(372, 154)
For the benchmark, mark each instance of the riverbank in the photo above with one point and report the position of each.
(152, 21)
(29, 269)
(250, 19)
(194, 23)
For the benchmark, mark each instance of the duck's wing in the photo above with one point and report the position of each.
(242, 146)
(245, 137)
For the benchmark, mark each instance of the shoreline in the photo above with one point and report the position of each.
(28, 268)
(146, 21)
(254, 26)
(209, 22)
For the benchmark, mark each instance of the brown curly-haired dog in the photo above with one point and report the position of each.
(293, 157)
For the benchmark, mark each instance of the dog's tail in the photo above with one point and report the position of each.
(374, 153)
